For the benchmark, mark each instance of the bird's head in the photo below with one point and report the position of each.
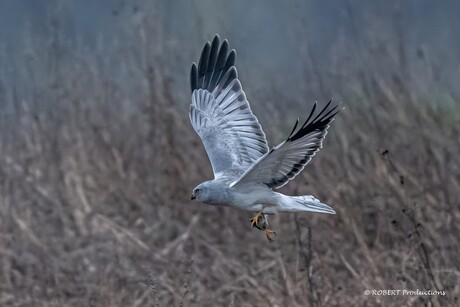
(201, 192)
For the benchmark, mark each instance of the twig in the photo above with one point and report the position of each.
(118, 229)
(153, 291)
(180, 239)
(186, 283)
(313, 296)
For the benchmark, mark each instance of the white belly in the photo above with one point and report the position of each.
(247, 207)
(268, 209)
(256, 198)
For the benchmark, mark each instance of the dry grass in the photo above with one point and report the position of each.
(95, 210)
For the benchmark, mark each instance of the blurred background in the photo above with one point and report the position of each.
(98, 158)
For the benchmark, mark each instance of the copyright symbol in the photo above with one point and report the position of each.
(367, 292)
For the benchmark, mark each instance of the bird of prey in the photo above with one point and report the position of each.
(245, 170)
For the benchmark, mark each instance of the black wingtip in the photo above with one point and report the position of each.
(215, 67)
(203, 64)
(322, 111)
(320, 121)
(194, 77)
(229, 76)
(293, 129)
(311, 114)
(216, 39)
(231, 58)
(213, 53)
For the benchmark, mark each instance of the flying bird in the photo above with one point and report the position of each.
(245, 170)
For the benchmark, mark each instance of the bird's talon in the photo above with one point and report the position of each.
(255, 220)
(268, 234)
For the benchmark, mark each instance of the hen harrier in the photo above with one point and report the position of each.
(245, 170)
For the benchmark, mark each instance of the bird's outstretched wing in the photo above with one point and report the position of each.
(285, 161)
(220, 112)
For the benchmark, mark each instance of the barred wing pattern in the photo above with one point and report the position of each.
(220, 112)
(285, 161)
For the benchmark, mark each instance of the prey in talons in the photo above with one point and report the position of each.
(260, 221)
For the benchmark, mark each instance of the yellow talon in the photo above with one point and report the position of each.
(268, 234)
(255, 223)
(255, 220)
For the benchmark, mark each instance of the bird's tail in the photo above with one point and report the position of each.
(304, 203)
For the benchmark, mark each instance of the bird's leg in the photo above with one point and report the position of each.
(263, 226)
(255, 220)
(268, 232)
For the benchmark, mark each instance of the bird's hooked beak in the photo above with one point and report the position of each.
(193, 196)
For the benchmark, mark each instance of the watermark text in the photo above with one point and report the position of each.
(416, 292)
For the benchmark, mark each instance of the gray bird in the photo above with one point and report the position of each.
(245, 170)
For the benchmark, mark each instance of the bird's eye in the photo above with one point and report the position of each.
(197, 190)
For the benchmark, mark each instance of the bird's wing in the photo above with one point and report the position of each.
(220, 112)
(285, 161)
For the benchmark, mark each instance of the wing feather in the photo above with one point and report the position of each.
(220, 112)
(285, 161)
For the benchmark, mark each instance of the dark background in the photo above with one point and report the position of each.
(98, 158)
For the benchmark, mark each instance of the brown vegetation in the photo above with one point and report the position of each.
(95, 209)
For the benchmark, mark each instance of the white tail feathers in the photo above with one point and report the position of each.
(304, 203)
